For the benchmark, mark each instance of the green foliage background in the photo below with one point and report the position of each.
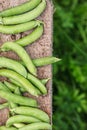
(70, 74)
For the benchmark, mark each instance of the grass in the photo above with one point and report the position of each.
(70, 74)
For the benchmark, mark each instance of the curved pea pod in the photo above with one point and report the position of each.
(36, 34)
(24, 17)
(5, 128)
(13, 65)
(37, 126)
(21, 119)
(37, 83)
(22, 54)
(19, 78)
(10, 97)
(15, 29)
(31, 4)
(34, 112)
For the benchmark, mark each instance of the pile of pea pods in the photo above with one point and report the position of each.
(24, 112)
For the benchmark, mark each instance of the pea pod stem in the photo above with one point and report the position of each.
(37, 83)
(37, 126)
(22, 54)
(20, 119)
(36, 34)
(20, 8)
(10, 97)
(15, 29)
(24, 17)
(34, 112)
(13, 65)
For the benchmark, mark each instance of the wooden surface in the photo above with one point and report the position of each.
(40, 48)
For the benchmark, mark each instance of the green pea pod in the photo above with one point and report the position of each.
(37, 126)
(24, 17)
(5, 128)
(34, 112)
(20, 8)
(37, 83)
(15, 29)
(21, 119)
(19, 78)
(36, 34)
(45, 61)
(10, 97)
(13, 65)
(21, 53)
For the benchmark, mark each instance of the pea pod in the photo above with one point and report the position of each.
(24, 17)
(45, 61)
(13, 65)
(15, 29)
(19, 78)
(10, 97)
(36, 34)
(34, 112)
(37, 83)
(20, 8)
(22, 54)
(5, 128)
(20, 119)
(37, 126)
